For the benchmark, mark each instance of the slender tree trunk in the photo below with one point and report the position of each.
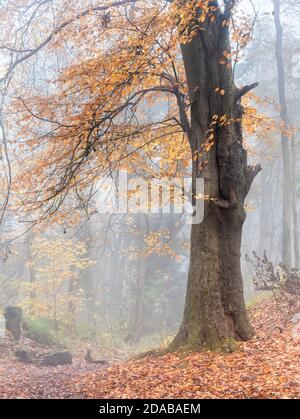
(90, 279)
(118, 262)
(137, 326)
(215, 309)
(54, 296)
(287, 204)
(295, 212)
(136, 331)
(32, 279)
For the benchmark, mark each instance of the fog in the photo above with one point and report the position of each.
(118, 280)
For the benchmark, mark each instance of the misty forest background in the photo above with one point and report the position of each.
(117, 280)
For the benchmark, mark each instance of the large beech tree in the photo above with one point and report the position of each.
(215, 308)
(112, 61)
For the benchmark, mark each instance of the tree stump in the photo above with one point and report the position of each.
(13, 318)
(90, 359)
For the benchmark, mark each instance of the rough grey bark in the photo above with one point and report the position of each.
(215, 309)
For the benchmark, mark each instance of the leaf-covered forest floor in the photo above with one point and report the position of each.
(266, 367)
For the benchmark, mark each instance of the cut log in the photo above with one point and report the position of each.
(24, 356)
(49, 359)
(58, 358)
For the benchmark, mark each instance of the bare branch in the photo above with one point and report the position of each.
(252, 172)
(61, 28)
(241, 92)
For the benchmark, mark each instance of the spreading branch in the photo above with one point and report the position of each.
(244, 90)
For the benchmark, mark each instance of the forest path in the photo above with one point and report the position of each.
(265, 367)
(18, 381)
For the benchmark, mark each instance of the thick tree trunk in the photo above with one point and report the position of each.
(215, 309)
